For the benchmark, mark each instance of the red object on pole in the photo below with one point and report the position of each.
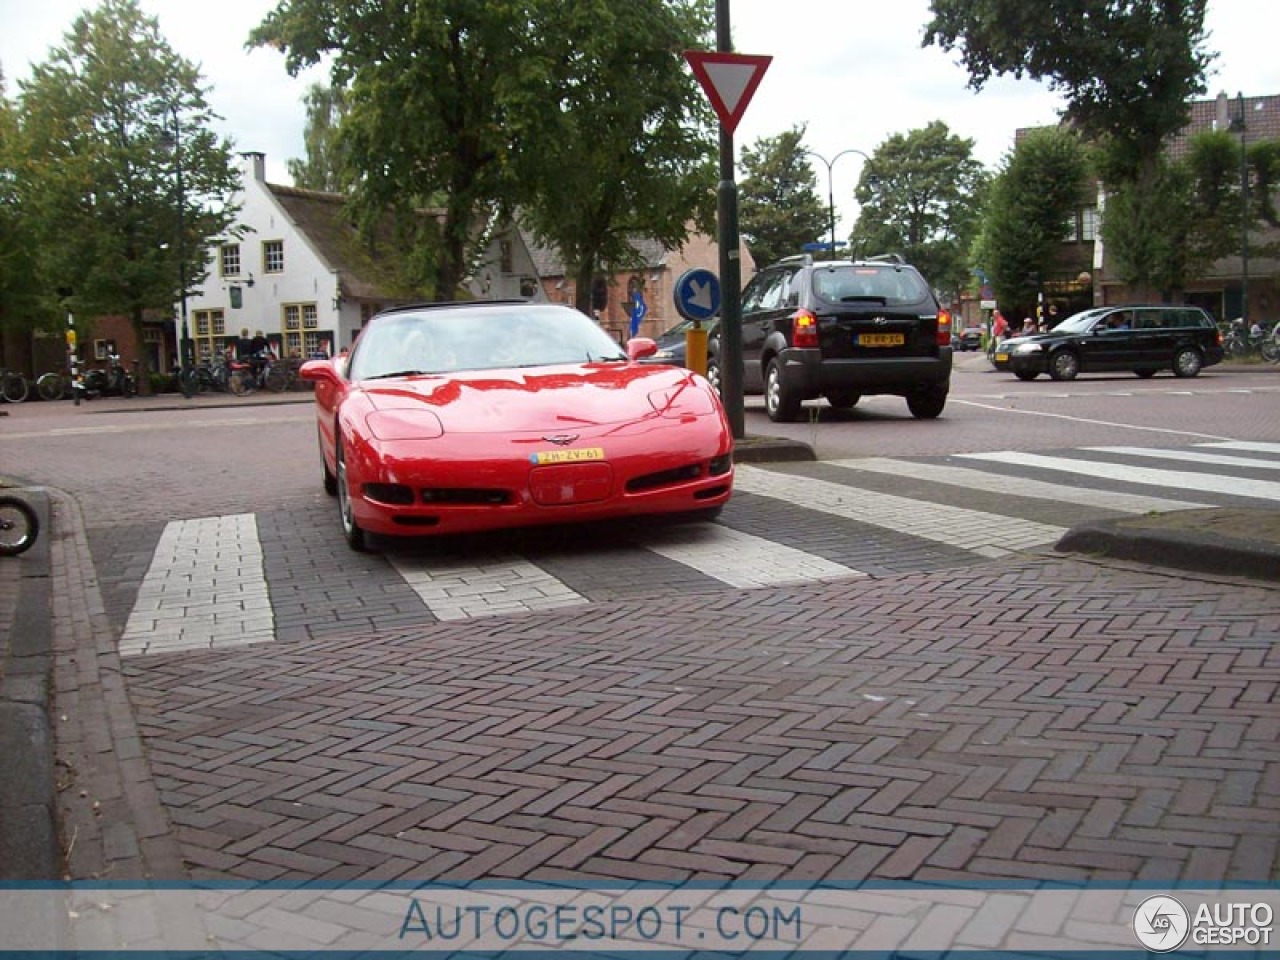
(730, 80)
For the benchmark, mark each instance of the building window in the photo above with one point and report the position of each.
(231, 259)
(507, 261)
(1069, 229)
(1089, 224)
(210, 327)
(298, 319)
(273, 256)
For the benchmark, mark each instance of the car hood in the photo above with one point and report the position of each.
(546, 398)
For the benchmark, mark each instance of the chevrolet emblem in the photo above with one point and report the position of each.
(561, 439)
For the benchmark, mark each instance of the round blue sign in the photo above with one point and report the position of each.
(697, 295)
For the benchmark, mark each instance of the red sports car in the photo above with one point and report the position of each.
(458, 417)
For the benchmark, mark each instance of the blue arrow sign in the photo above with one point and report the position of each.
(697, 295)
(638, 312)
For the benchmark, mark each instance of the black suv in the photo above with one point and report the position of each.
(841, 329)
(1138, 337)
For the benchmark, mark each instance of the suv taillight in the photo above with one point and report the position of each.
(804, 330)
(944, 328)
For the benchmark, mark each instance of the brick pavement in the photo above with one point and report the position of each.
(1052, 719)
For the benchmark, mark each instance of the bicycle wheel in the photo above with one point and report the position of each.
(277, 379)
(51, 386)
(19, 526)
(13, 386)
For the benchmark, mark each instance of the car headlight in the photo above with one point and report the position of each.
(1028, 348)
(404, 424)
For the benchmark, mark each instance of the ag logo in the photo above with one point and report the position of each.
(1161, 924)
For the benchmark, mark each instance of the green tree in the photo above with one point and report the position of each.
(921, 196)
(20, 281)
(1128, 71)
(1031, 197)
(615, 136)
(325, 167)
(779, 209)
(109, 120)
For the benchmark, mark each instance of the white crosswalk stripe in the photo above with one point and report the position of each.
(986, 534)
(487, 587)
(740, 559)
(1192, 456)
(981, 480)
(205, 588)
(1247, 446)
(1125, 473)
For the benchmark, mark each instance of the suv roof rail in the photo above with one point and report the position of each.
(804, 258)
(887, 258)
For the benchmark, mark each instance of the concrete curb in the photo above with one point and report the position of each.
(28, 792)
(1175, 545)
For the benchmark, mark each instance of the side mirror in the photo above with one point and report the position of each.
(319, 371)
(640, 347)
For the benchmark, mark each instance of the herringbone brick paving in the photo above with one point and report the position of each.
(1051, 719)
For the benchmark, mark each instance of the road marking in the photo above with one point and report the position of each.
(986, 534)
(1191, 456)
(740, 559)
(205, 589)
(1016, 486)
(148, 427)
(493, 585)
(1245, 445)
(1212, 483)
(1103, 423)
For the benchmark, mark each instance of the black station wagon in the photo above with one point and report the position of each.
(1144, 339)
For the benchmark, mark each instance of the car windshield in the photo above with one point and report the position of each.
(864, 283)
(1079, 322)
(442, 340)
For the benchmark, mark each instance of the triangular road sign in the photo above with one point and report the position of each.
(729, 79)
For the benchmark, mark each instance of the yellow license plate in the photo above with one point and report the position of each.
(881, 339)
(568, 456)
(1001, 357)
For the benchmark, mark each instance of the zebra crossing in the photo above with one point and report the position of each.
(209, 585)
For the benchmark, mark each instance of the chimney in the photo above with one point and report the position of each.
(257, 162)
(1221, 118)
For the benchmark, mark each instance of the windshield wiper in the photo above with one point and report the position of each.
(397, 373)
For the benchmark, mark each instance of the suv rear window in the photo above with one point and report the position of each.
(857, 283)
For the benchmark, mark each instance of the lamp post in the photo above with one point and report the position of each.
(831, 193)
(184, 342)
(1238, 125)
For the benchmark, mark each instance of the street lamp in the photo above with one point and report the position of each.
(1238, 125)
(831, 194)
(184, 343)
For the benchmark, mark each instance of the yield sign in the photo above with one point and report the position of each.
(730, 79)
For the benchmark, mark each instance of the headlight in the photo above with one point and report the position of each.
(1028, 348)
(403, 424)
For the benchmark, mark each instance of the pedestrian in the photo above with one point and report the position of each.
(999, 326)
(1028, 327)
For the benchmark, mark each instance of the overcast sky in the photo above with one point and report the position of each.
(853, 71)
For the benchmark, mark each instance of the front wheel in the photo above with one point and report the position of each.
(13, 386)
(19, 526)
(51, 386)
(350, 529)
(927, 404)
(780, 403)
(1187, 362)
(277, 379)
(1064, 365)
(1271, 351)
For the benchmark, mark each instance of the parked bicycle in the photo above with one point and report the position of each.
(53, 386)
(13, 386)
(19, 525)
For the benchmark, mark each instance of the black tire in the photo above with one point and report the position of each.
(19, 526)
(1064, 365)
(13, 386)
(95, 381)
(1027, 375)
(1271, 351)
(239, 384)
(843, 400)
(1187, 362)
(350, 529)
(782, 405)
(1145, 374)
(330, 481)
(51, 386)
(927, 403)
